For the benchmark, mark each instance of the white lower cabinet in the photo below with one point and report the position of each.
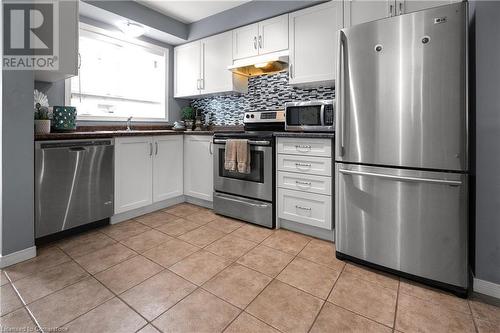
(306, 208)
(198, 167)
(167, 167)
(133, 173)
(304, 181)
(147, 169)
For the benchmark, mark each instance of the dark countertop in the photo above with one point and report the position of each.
(319, 135)
(112, 133)
(102, 134)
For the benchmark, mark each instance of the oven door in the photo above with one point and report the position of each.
(258, 184)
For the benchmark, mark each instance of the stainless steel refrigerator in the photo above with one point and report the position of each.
(402, 160)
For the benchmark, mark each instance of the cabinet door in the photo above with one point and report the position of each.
(245, 41)
(273, 34)
(187, 69)
(360, 11)
(314, 28)
(133, 173)
(167, 167)
(217, 56)
(198, 167)
(408, 6)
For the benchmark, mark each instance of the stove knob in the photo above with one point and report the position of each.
(247, 116)
(252, 116)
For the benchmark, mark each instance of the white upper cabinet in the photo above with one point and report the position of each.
(68, 44)
(408, 6)
(260, 38)
(201, 68)
(167, 167)
(187, 69)
(216, 57)
(245, 41)
(313, 39)
(361, 11)
(273, 34)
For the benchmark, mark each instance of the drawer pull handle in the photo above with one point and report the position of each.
(298, 182)
(298, 147)
(303, 208)
(307, 165)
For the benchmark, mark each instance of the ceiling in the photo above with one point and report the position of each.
(190, 11)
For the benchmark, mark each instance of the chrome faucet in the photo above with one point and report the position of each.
(129, 120)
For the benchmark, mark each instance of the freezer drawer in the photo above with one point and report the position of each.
(306, 208)
(407, 220)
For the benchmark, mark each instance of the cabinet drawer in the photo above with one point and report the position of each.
(305, 146)
(306, 208)
(305, 182)
(305, 164)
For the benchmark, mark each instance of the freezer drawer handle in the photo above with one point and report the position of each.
(403, 178)
(303, 208)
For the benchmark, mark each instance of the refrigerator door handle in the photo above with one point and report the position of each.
(340, 91)
(402, 178)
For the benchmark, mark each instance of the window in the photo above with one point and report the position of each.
(119, 78)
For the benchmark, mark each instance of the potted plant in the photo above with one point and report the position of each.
(42, 121)
(188, 117)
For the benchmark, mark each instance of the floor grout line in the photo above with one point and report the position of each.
(396, 309)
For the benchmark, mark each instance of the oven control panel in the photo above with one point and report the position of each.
(275, 116)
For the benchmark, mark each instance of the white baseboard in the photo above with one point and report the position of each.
(199, 202)
(14, 258)
(487, 288)
(147, 209)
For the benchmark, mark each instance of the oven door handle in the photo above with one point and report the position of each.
(250, 142)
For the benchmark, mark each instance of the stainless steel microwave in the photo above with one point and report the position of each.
(311, 116)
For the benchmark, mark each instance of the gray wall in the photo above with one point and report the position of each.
(141, 14)
(487, 114)
(247, 13)
(17, 161)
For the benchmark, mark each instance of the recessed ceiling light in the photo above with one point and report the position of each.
(131, 29)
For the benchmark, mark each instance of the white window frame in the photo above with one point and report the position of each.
(120, 36)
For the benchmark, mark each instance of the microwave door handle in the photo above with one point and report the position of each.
(322, 114)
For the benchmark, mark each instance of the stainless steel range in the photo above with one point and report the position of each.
(249, 196)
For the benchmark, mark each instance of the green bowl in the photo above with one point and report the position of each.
(64, 118)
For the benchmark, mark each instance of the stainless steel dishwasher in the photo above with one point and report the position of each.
(74, 183)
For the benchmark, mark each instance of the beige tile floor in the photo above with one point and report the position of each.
(186, 269)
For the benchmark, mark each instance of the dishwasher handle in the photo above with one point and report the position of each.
(77, 149)
(75, 144)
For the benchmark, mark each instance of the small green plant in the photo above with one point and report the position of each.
(41, 112)
(187, 113)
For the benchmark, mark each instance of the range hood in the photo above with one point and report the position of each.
(261, 64)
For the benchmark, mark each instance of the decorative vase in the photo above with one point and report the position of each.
(189, 124)
(64, 118)
(42, 126)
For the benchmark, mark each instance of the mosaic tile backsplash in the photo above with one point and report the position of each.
(265, 92)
